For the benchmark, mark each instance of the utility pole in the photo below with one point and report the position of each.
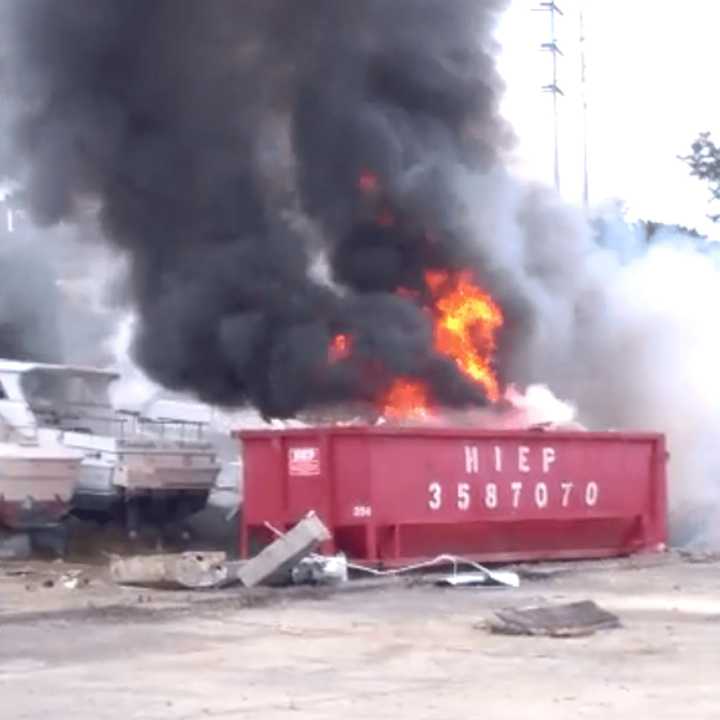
(552, 47)
(583, 91)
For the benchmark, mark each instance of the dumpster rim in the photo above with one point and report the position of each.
(450, 431)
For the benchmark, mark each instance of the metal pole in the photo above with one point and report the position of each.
(552, 47)
(556, 158)
(583, 86)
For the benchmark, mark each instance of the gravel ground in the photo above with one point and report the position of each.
(76, 646)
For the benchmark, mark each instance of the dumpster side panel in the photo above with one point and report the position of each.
(391, 496)
(264, 480)
(451, 479)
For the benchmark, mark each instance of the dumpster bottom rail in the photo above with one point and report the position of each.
(500, 542)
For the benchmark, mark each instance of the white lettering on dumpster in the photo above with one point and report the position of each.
(528, 459)
(591, 494)
(515, 495)
(491, 497)
(518, 488)
(541, 495)
(498, 458)
(472, 460)
(435, 502)
(463, 496)
(548, 458)
(523, 463)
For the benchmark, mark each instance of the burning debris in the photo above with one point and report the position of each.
(464, 320)
(465, 331)
(406, 400)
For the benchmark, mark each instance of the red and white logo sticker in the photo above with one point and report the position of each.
(304, 461)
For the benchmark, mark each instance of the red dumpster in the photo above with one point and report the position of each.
(394, 495)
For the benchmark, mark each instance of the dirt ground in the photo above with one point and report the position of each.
(72, 645)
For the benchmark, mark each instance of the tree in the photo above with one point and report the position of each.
(654, 230)
(704, 163)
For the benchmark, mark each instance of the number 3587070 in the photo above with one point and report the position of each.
(514, 495)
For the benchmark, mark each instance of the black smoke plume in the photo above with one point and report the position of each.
(201, 128)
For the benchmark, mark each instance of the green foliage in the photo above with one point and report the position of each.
(704, 163)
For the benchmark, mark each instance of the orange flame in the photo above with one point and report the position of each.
(340, 348)
(465, 322)
(406, 400)
(468, 319)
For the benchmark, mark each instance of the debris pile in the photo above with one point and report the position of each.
(578, 619)
(281, 556)
(292, 558)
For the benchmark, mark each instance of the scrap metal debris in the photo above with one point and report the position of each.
(481, 578)
(577, 619)
(204, 570)
(321, 570)
(74, 579)
(276, 561)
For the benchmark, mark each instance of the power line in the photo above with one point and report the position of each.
(553, 88)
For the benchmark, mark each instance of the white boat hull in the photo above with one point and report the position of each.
(36, 485)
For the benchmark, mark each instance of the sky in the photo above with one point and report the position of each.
(650, 90)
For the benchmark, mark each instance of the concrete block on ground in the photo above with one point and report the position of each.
(189, 570)
(284, 553)
(15, 546)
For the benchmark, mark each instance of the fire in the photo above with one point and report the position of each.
(407, 400)
(467, 322)
(340, 348)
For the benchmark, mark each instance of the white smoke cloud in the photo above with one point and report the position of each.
(662, 332)
(134, 390)
(539, 406)
(625, 330)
